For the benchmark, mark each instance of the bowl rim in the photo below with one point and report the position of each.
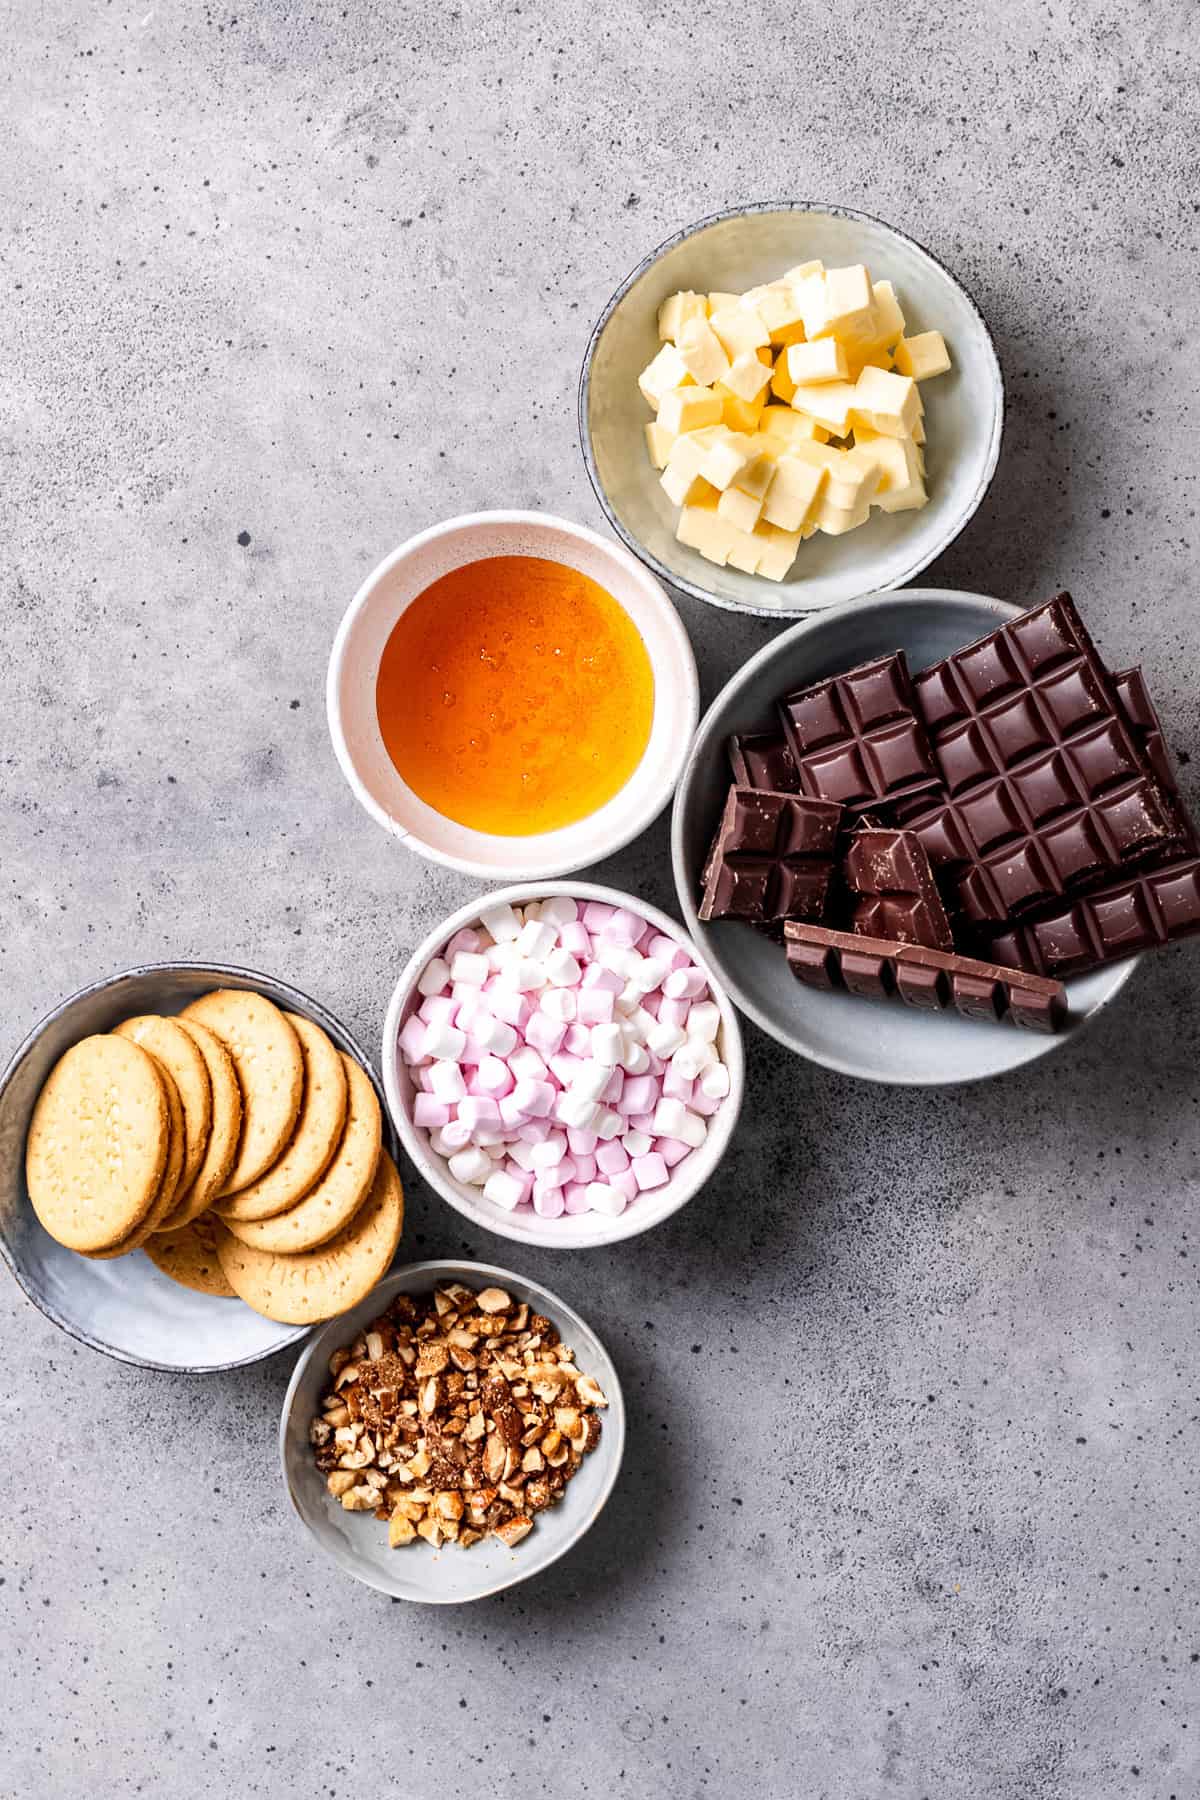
(303, 1003)
(543, 1235)
(1002, 610)
(556, 1309)
(693, 588)
(688, 691)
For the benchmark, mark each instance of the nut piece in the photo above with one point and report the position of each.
(493, 1300)
(514, 1530)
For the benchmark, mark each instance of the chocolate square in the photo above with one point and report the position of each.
(855, 738)
(771, 859)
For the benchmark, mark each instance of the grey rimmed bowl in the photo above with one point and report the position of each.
(358, 1542)
(886, 1043)
(736, 250)
(127, 1307)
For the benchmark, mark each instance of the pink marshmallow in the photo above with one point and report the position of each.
(456, 1135)
(512, 1112)
(466, 939)
(596, 977)
(535, 1131)
(674, 1012)
(684, 984)
(526, 1064)
(643, 1122)
(575, 1198)
(430, 1113)
(548, 1201)
(640, 1094)
(596, 1006)
(652, 1003)
(545, 1034)
(557, 1175)
(478, 1112)
(612, 1157)
(507, 1004)
(536, 1097)
(676, 1088)
(625, 1183)
(581, 1143)
(412, 1040)
(446, 1081)
(596, 914)
(703, 1103)
(656, 1068)
(585, 1167)
(624, 927)
(667, 950)
(439, 1009)
(494, 1077)
(574, 938)
(614, 1087)
(578, 1041)
(523, 1176)
(565, 1068)
(672, 1150)
(649, 1171)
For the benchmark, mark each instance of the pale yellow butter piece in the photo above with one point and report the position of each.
(778, 552)
(738, 414)
(853, 477)
(739, 329)
(782, 385)
(822, 360)
(898, 459)
(721, 302)
(658, 443)
(838, 304)
(918, 432)
(689, 409)
(739, 508)
(675, 312)
(885, 401)
(923, 356)
(700, 529)
(688, 452)
(744, 551)
(793, 493)
(759, 472)
(889, 320)
(748, 377)
(904, 499)
(835, 521)
(779, 311)
(828, 402)
(725, 457)
(665, 371)
(683, 488)
(702, 354)
(802, 271)
(789, 426)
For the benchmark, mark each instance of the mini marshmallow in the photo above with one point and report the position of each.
(456, 1134)
(526, 1064)
(575, 1198)
(544, 1033)
(580, 1142)
(594, 1006)
(522, 1154)
(537, 940)
(684, 984)
(433, 977)
(668, 951)
(637, 1143)
(493, 1034)
(602, 1198)
(669, 1116)
(625, 1184)
(692, 1058)
(596, 914)
(559, 1003)
(512, 1113)
(595, 976)
(676, 1087)
(574, 939)
(505, 1003)
(578, 1041)
(467, 1003)
(559, 909)
(534, 1131)
(439, 1009)
(665, 1038)
(714, 1083)
(526, 976)
(429, 1113)
(491, 1138)
(591, 1080)
(478, 1111)
(564, 1068)
(693, 1129)
(704, 1021)
(562, 969)
(502, 923)
(649, 1171)
(585, 1168)
(556, 1176)
(674, 1012)
(640, 1095)
(494, 1077)
(624, 927)
(635, 1059)
(505, 1189)
(446, 1082)
(614, 1087)
(536, 1098)
(702, 1103)
(612, 1157)
(472, 1166)
(650, 975)
(607, 1044)
(467, 940)
(577, 1112)
(548, 1202)
(470, 968)
(609, 1125)
(444, 1042)
(619, 959)
(643, 1122)
(412, 1041)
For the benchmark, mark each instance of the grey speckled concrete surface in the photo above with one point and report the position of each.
(910, 1495)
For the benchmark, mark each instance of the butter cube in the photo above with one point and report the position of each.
(802, 271)
(779, 311)
(682, 487)
(759, 472)
(835, 521)
(658, 443)
(686, 409)
(923, 355)
(793, 493)
(838, 304)
(905, 499)
(721, 302)
(918, 432)
(740, 330)
(701, 353)
(666, 371)
(822, 360)
(738, 414)
(787, 426)
(828, 402)
(886, 402)
(853, 478)
(745, 551)
(898, 459)
(889, 320)
(748, 377)
(725, 457)
(739, 509)
(778, 552)
(700, 529)
(687, 453)
(675, 312)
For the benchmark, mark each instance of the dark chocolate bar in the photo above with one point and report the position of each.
(762, 759)
(1146, 728)
(1047, 791)
(772, 858)
(856, 738)
(1146, 911)
(892, 890)
(934, 980)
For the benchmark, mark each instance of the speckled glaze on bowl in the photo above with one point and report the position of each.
(358, 1542)
(127, 1307)
(736, 250)
(885, 1043)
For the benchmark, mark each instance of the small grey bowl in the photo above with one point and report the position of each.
(886, 1043)
(127, 1307)
(736, 250)
(358, 1542)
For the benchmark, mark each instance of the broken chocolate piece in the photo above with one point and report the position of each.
(892, 890)
(772, 858)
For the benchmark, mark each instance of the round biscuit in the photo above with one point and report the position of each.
(226, 1128)
(98, 1143)
(321, 1213)
(270, 1069)
(180, 1056)
(190, 1258)
(318, 1134)
(301, 1290)
(168, 1189)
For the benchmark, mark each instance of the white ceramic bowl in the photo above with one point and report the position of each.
(577, 1231)
(358, 1542)
(964, 410)
(354, 669)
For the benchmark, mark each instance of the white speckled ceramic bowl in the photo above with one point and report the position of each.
(358, 1542)
(354, 670)
(127, 1307)
(577, 1231)
(886, 1043)
(732, 251)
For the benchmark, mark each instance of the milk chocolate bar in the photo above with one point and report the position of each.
(933, 980)
(892, 890)
(856, 738)
(772, 858)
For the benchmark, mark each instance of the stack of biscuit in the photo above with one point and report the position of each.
(234, 1143)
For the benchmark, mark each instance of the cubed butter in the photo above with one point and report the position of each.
(720, 302)
(782, 385)
(853, 477)
(658, 443)
(682, 488)
(666, 371)
(744, 551)
(889, 320)
(923, 355)
(779, 311)
(725, 457)
(793, 493)
(828, 402)
(747, 377)
(789, 426)
(778, 552)
(822, 360)
(701, 352)
(689, 409)
(885, 401)
(738, 414)
(687, 453)
(739, 329)
(802, 271)
(759, 472)
(838, 304)
(835, 521)
(903, 499)
(700, 529)
(675, 312)
(740, 509)
(898, 459)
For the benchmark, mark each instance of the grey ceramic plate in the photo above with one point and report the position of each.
(127, 1307)
(736, 250)
(358, 1542)
(854, 1036)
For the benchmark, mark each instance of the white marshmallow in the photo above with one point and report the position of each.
(537, 940)
(549, 1154)
(562, 969)
(504, 1189)
(635, 1058)
(446, 1082)
(704, 1021)
(691, 1060)
(434, 977)
(493, 1034)
(577, 1112)
(559, 1002)
(472, 1166)
(714, 1083)
(559, 909)
(591, 1079)
(617, 957)
(522, 1155)
(693, 1130)
(665, 1039)
(445, 1042)
(604, 1199)
(609, 1124)
(527, 977)
(502, 923)
(637, 1143)
(668, 1118)
(470, 968)
(526, 1064)
(608, 1042)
